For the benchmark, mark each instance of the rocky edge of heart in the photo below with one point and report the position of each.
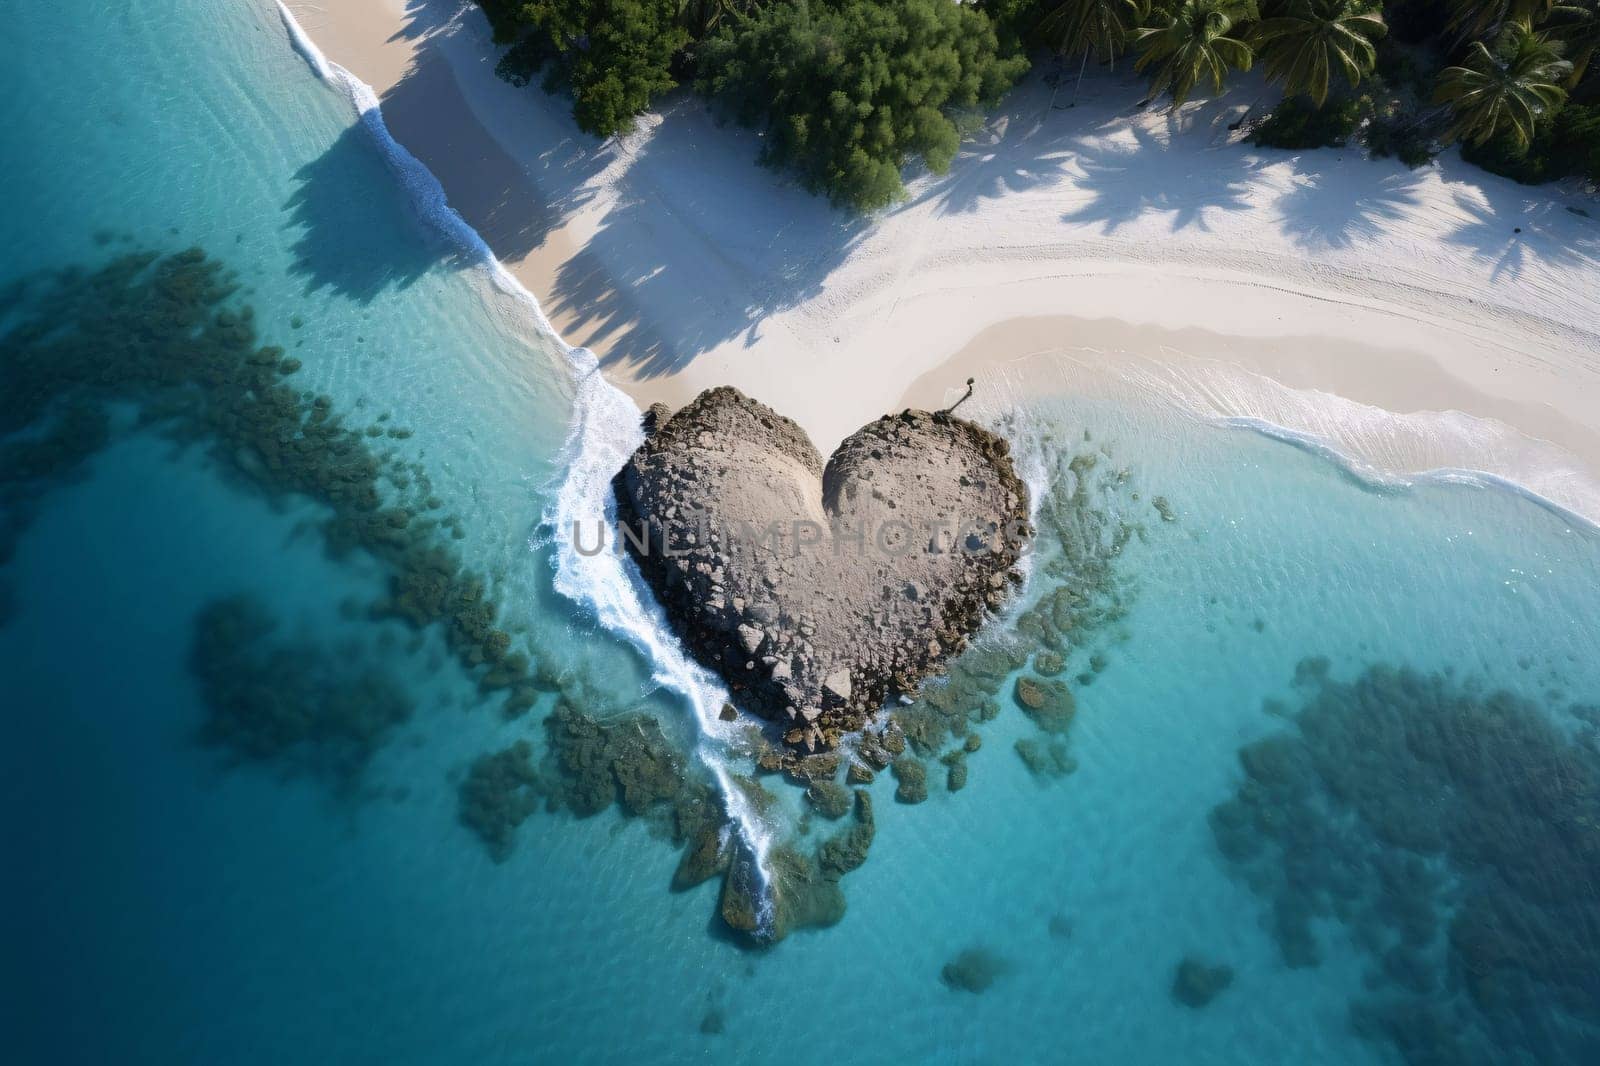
(819, 593)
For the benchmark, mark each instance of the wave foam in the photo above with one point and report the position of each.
(1380, 448)
(605, 431)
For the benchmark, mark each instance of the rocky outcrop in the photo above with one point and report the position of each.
(819, 592)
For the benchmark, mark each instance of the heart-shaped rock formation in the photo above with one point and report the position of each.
(819, 593)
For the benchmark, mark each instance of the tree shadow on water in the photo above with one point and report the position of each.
(487, 187)
(358, 232)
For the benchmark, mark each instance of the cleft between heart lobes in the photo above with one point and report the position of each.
(818, 593)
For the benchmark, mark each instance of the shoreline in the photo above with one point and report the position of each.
(682, 264)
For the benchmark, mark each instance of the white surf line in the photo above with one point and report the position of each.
(604, 432)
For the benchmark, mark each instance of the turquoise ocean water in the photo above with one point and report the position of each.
(1334, 735)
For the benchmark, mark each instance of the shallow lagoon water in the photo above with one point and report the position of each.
(169, 907)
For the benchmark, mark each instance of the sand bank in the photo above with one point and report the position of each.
(1096, 229)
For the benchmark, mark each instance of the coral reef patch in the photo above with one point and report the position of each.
(295, 704)
(189, 362)
(1453, 833)
(500, 791)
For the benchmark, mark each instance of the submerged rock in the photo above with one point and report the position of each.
(911, 779)
(1196, 983)
(819, 592)
(1047, 701)
(955, 770)
(974, 970)
(848, 850)
(829, 798)
(740, 906)
(290, 702)
(500, 791)
(705, 856)
(1045, 758)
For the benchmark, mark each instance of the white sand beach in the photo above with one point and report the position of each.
(1321, 291)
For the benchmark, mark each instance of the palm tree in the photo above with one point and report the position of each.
(1576, 24)
(702, 17)
(1485, 18)
(1506, 89)
(1103, 28)
(1193, 44)
(1304, 46)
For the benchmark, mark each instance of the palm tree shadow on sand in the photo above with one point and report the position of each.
(777, 260)
(1510, 239)
(1323, 213)
(1017, 149)
(1122, 187)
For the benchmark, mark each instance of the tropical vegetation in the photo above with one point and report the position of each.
(847, 93)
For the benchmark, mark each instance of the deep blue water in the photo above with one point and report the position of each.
(1433, 835)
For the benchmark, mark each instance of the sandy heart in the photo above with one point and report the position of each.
(818, 593)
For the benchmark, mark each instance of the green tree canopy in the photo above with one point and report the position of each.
(1100, 28)
(1576, 24)
(1193, 43)
(1304, 46)
(1504, 90)
(1484, 17)
(703, 17)
(846, 93)
(611, 55)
